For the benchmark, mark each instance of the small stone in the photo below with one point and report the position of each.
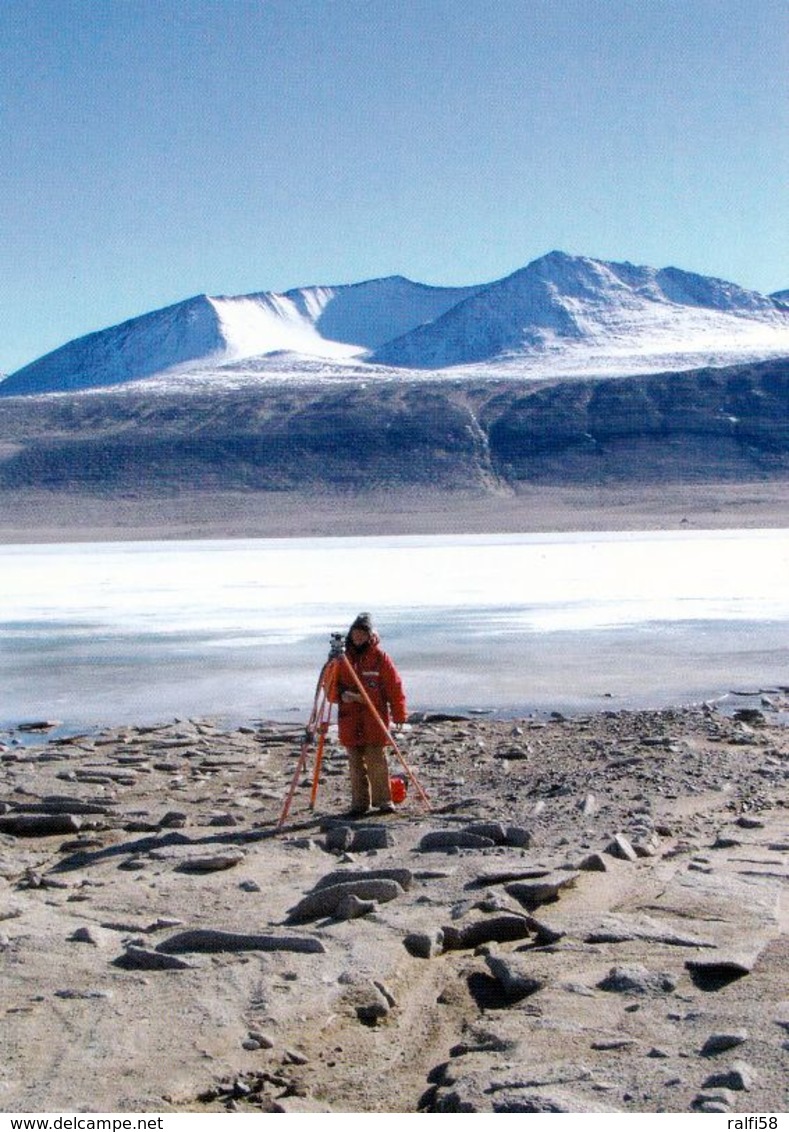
(515, 980)
(173, 819)
(635, 979)
(518, 837)
(544, 934)
(161, 923)
(385, 993)
(223, 820)
(338, 839)
(131, 864)
(607, 1045)
(621, 847)
(740, 1077)
(719, 1043)
(718, 971)
(424, 945)
(86, 935)
(370, 837)
(371, 1013)
(492, 929)
(294, 1057)
(594, 863)
(716, 1100)
(647, 846)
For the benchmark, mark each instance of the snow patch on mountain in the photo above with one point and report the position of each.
(257, 324)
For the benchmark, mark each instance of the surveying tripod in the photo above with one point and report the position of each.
(326, 695)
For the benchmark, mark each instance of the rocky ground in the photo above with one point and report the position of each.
(588, 917)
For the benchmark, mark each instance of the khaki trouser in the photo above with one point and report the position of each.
(369, 777)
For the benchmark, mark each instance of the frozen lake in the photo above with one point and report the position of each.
(139, 632)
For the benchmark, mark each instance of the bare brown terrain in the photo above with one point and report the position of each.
(590, 916)
(40, 516)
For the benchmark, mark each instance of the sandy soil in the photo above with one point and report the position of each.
(590, 914)
(53, 517)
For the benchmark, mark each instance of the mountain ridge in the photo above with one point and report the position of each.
(560, 313)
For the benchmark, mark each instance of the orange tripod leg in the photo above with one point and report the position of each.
(318, 724)
(323, 730)
(300, 765)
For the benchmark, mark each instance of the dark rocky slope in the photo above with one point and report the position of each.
(705, 425)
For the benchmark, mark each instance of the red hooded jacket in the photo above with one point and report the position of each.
(381, 680)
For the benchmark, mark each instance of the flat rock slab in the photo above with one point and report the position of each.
(61, 805)
(492, 929)
(716, 972)
(208, 939)
(403, 877)
(142, 959)
(533, 893)
(509, 875)
(211, 863)
(442, 841)
(39, 825)
(619, 929)
(325, 901)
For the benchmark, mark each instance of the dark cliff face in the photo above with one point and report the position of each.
(710, 424)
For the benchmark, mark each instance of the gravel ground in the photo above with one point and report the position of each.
(588, 914)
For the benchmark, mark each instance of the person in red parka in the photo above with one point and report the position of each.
(362, 735)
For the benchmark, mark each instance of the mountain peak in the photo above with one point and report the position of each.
(571, 305)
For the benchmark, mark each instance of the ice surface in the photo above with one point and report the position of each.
(113, 631)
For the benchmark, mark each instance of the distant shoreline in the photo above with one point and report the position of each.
(28, 516)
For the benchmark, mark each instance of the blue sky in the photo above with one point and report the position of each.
(155, 149)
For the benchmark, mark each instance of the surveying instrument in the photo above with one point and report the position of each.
(326, 695)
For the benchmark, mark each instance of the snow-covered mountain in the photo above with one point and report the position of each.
(561, 303)
(204, 334)
(559, 316)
